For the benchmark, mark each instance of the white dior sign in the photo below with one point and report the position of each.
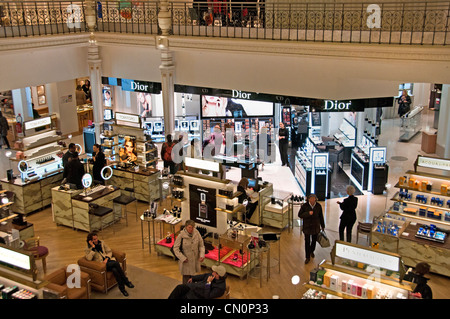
(337, 106)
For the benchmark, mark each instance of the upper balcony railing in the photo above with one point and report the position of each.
(420, 23)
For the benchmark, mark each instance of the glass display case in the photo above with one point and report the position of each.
(411, 124)
(347, 134)
(303, 164)
(278, 210)
(358, 272)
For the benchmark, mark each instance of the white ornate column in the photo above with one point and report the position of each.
(167, 69)
(95, 76)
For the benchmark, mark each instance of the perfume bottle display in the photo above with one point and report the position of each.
(203, 207)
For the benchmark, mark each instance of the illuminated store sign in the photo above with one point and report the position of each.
(38, 123)
(432, 162)
(13, 258)
(127, 117)
(133, 85)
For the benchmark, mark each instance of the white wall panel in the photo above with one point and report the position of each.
(22, 68)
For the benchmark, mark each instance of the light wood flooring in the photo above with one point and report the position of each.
(67, 245)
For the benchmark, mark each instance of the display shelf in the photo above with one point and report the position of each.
(421, 190)
(278, 210)
(234, 195)
(176, 199)
(412, 202)
(348, 284)
(235, 210)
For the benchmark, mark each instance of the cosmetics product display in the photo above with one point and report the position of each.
(431, 232)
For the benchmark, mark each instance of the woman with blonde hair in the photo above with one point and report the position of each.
(348, 216)
(190, 250)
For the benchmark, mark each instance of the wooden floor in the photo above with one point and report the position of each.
(67, 245)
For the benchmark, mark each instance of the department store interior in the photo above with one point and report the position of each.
(394, 163)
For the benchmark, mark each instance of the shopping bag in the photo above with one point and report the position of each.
(323, 240)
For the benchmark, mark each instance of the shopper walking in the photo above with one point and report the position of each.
(190, 250)
(283, 144)
(205, 286)
(348, 216)
(99, 161)
(312, 215)
(99, 251)
(422, 287)
(4, 127)
(166, 154)
(404, 103)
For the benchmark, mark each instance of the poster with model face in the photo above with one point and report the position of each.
(107, 99)
(127, 151)
(214, 106)
(145, 104)
(202, 201)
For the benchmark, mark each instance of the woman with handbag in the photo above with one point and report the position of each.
(312, 215)
(348, 217)
(189, 248)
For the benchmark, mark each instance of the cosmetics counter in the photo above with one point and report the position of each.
(346, 137)
(213, 204)
(359, 272)
(368, 166)
(39, 161)
(417, 225)
(312, 170)
(74, 208)
(127, 143)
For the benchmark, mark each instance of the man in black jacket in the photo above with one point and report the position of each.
(204, 286)
(312, 215)
(68, 154)
(74, 171)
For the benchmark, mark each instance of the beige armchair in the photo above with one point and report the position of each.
(58, 283)
(102, 280)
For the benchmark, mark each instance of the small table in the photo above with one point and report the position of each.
(149, 221)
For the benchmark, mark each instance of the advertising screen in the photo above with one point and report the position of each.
(214, 106)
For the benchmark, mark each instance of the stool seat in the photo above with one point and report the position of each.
(124, 199)
(100, 211)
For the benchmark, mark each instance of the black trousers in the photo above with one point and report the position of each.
(346, 226)
(310, 244)
(5, 139)
(119, 274)
(251, 207)
(179, 292)
(284, 153)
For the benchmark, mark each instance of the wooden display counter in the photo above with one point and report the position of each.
(33, 195)
(72, 208)
(145, 182)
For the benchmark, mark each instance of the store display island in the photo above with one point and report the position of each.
(143, 181)
(38, 158)
(213, 204)
(417, 225)
(76, 208)
(359, 272)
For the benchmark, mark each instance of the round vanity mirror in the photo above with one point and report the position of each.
(106, 172)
